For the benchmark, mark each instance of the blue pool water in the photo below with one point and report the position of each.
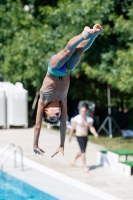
(15, 189)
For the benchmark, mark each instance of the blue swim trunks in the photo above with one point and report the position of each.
(63, 71)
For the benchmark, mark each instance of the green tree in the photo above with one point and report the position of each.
(28, 39)
(25, 46)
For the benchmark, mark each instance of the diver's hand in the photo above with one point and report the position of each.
(60, 149)
(39, 151)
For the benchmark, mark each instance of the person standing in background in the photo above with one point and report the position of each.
(81, 125)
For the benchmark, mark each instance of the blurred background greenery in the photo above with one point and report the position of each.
(33, 30)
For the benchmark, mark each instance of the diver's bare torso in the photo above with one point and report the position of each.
(54, 88)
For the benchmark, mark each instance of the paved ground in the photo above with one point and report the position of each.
(99, 177)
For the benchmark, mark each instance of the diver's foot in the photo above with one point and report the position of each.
(87, 33)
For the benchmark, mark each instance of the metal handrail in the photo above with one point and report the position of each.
(9, 155)
(6, 147)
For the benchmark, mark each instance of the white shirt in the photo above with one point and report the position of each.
(81, 125)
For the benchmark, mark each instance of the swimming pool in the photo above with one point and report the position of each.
(14, 189)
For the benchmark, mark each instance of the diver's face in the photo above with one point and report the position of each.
(53, 111)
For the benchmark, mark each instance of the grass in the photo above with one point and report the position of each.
(117, 142)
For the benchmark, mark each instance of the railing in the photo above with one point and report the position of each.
(13, 151)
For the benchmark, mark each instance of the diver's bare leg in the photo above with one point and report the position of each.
(83, 46)
(63, 56)
(80, 49)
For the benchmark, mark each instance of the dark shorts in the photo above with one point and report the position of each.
(82, 140)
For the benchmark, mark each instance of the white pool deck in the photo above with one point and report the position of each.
(55, 176)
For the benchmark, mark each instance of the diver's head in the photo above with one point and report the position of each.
(52, 112)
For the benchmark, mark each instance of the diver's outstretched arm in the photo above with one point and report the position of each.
(37, 129)
(62, 127)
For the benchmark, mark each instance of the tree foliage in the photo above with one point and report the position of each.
(28, 39)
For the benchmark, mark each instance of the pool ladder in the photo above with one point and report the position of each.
(9, 154)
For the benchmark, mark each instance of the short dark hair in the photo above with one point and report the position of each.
(85, 105)
(47, 120)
